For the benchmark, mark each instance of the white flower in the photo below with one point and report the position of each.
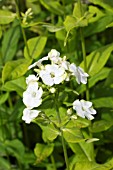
(84, 109)
(31, 78)
(53, 55)
(38, 63)
(81, 76)
(32, 96)
(52, 74)
(52, 90)
(29, 115)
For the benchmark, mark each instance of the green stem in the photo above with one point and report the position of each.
(63, 141)
(85, 61)
(53, 162)
(84, 50)
(23, 32)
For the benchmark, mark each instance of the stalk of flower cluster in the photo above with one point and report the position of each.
(23, 32)
(84, 52)
(59, 120)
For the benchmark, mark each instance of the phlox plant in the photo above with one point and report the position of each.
(50, 74)
(56, 84)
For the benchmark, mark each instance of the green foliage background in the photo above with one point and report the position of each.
(55, 24)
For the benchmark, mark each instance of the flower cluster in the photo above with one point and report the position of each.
(57, 71)
(31, 98)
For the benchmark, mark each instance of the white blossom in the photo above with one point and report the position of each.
(81, 76)
(53, 55)
(84, 109)
(31, 78)
(52, 74)
(32, 95)
(52, 90)
(29, 115)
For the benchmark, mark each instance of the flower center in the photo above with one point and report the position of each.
(52, 74)
(34, 94)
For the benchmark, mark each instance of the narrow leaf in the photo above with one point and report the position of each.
(36, 46)
(10, 42)
(97, 59)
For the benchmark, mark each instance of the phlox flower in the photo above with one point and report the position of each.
(53, 55)
(84, 109)
(81, 76)
(52, 74)
(29, 115)
(32, 95)
(31, 78)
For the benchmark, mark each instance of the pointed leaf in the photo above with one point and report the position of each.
(17, 85)
(97, 59)
(100, 126)
(6, 17)
(53, 6)
(10, 42)
(107, 4)
(72, 135)
(36, 46)
(42, 151)
(15, 69)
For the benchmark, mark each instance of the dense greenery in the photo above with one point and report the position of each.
(81, 30)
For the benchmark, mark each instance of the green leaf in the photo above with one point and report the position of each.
(83, 148)
(98, 26)
(6, 17)
(72, 135)
(16, 148)
(72, 22)
(102, 74)
(103, 102)
(49, 132)
(101, 125)
(97, 59)
(10, 42)
(109, 79)
(78, 11)
(3, 98)
(42, 151)
(36, 46)
(98, 13)
(4, 164)
(53, 28)
(53, 6)
(17, 85)
(15, 69)
(107, 4)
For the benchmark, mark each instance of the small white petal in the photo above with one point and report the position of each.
(31, 78)
(29, 115)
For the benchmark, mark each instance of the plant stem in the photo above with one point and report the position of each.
(63, 141)
(23, 32)
(84, 51)
(53, 162)
(85, 61)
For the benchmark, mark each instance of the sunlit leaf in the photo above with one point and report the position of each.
(42, 151)
(35, 46)
(97, 59)
(15, 69)
(17, 85)
(101, 125)
(6, 16)
(10, 42)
